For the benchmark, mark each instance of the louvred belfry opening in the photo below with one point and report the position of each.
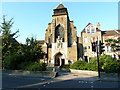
(60, 10)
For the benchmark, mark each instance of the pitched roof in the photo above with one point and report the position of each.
(111, 32)
(86, 26)
(60, 6)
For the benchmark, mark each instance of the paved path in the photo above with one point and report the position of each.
(67, 76)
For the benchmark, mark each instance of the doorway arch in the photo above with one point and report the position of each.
(59, 60)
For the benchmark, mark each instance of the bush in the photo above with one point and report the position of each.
(107, 64)
(65, 66)
(12, 61)
(23, 65)
(79, 65)
(19, 62)
(111, 67)
(92, 65)
(36, 67)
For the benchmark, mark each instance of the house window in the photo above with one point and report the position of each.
(85, 40)
(91, 39)
(93, 31)
(88, 30)
(108, 49)
(85, 49)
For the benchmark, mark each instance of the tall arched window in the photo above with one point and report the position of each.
(59, 31)
(50, 40)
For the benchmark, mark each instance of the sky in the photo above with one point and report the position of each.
(32, 18)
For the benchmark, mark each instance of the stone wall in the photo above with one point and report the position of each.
(45, 74)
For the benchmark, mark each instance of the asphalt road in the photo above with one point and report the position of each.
(12, 81)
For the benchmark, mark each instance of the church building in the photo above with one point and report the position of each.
(61, 41)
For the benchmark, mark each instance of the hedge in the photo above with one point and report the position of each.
(107, 64)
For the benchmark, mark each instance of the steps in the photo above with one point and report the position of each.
(55, 69)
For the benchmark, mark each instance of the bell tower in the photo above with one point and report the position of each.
(60, 21)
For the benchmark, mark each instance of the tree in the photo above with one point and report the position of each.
(17, 55)
(9, 42)
(114, 44)
(31, 49)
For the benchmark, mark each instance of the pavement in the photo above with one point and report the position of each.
(67, 76)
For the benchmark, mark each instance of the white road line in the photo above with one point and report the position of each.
(91, 82)
(92, 86)
(44, 85)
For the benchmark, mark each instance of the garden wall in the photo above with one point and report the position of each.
(45, 74)
(94, 73)
(86, 72)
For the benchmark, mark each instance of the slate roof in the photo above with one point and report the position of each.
(111, 32)
(88, 25)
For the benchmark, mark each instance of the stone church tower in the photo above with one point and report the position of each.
(60, 43)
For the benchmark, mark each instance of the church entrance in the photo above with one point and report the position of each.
(58, 60)
(63, 62)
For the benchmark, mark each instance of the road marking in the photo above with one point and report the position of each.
(44, 85)
(91, 82)
(42, 79)
(92, 86)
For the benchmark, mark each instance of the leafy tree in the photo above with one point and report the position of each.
(31, 49)
(17, 55)
(114, 44)
(9, 42)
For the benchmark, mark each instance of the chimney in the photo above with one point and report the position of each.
(98, 25)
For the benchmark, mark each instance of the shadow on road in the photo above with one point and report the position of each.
(63, 80)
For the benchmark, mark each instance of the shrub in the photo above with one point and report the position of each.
(36, 67)
(65, 66)
(12, 61)
(112, 67)
(79, 65)
(92, 65)
(23, 65)
(107, 64)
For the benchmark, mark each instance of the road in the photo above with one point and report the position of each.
(64, 80)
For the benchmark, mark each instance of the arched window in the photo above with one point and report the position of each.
(59, 31)
(50, 40)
